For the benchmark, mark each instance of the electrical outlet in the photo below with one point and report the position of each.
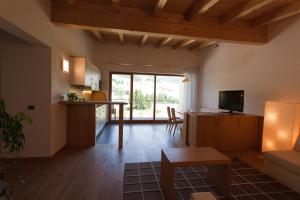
(30, 107)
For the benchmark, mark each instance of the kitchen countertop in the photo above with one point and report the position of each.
(91, 102)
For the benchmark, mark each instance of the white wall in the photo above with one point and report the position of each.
(29, 20)
(268, 72)
(25, 81)
(164, 60)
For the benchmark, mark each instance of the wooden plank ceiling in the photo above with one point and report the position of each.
(191, 24)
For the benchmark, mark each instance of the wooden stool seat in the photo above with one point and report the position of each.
(202, 196)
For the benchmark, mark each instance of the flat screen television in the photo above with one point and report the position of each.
(231, 100)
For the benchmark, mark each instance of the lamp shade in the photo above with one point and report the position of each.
(281, 126)
(186, 79)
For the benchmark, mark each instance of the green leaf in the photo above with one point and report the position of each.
(11, 127)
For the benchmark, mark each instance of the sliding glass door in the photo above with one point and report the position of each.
(167, 94)
(147, 95)
(143, 97)
(120, 91)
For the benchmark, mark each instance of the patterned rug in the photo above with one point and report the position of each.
(142, 182)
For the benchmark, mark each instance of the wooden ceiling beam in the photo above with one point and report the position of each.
(183, 43)
(201, 45)
(245, 9)
(200, 7)
(159, 5)
(121, 38)
(144, 40)
(279, 14)
(164, 41)
(71, 2)
(116, 5)
(95, 16)
(96, 35)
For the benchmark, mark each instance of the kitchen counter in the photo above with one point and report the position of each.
(82, 121)
(93, 102)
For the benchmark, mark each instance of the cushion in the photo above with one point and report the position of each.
(297, 144)
(289, 160)
(202, 196)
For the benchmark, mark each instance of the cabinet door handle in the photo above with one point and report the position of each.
(239, 122)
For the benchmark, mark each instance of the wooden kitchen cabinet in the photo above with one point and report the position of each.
(84, 73)
(85, 117)
(223, 131)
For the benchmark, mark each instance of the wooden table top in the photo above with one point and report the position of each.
(203, 155)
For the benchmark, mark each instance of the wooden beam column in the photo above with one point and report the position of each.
(121, 123)
(164, 41)
(121, 38)
(116, 5)
(95, 16)
(160, 4)
(200, 7)
(183, 43)
(290, 10)
(96, 35)
(202, 45)
(246, 9)
(143, 40)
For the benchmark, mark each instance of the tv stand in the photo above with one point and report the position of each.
(227, 112)
(231, 113)
(230, 131)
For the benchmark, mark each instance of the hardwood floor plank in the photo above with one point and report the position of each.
(97, 172)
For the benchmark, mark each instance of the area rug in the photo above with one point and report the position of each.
(142, 182)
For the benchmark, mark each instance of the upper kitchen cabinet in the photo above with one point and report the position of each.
(84, 73)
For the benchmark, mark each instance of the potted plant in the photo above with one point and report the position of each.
(13, 140)
(72, 96)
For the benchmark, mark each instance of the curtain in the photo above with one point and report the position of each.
(189, 99)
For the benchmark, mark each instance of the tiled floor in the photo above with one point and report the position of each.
(142, 181)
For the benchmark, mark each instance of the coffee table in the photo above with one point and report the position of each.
(218, 165)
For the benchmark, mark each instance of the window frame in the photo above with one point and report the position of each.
(131, 120)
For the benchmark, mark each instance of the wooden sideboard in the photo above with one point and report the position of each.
(223, 131)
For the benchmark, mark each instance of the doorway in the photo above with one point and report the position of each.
(147, 95)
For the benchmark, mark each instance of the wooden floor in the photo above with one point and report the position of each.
(96, 173)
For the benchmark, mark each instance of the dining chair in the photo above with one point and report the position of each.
(169, 122)
(175, 121)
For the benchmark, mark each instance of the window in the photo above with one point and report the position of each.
(167, 94)
(120, 84)
(147, 95)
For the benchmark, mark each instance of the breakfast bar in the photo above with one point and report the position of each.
(81, 122)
